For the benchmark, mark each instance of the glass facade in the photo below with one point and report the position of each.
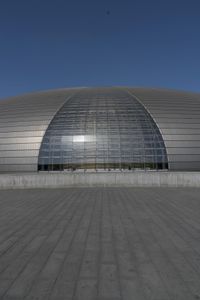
(102, 129)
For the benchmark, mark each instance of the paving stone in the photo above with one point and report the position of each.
(100, 244)
(86, 289)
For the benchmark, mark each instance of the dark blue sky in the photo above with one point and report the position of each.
(51, 44)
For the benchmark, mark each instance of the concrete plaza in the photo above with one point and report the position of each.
(100, 243)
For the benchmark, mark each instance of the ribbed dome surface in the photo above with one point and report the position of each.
(100, 128)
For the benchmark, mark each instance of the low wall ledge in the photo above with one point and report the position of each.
(111, 179)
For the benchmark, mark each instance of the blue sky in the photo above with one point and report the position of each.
(52, 44)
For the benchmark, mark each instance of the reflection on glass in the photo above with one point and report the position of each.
(102, 129)
(78, 138)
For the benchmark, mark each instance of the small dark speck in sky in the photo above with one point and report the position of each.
(102, 43)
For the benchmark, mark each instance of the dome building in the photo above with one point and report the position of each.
(117, 128)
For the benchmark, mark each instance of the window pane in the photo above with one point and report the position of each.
(98, 129)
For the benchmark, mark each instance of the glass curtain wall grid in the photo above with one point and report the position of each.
(107, 130)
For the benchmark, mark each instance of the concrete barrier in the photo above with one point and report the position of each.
(109, 179)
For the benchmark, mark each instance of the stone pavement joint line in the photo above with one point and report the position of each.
(100, 244)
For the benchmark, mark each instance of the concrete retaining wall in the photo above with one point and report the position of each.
(131, 179)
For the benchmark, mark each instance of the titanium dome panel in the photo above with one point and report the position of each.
(23, 122)
(122, 142)
(177, 115)
(102, 129)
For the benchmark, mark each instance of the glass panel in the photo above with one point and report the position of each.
(102, 129)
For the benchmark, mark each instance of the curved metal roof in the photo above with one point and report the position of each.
(24, 120)
(177, 115)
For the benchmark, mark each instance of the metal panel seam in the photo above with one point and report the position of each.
(140, 101)
(60, 107)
